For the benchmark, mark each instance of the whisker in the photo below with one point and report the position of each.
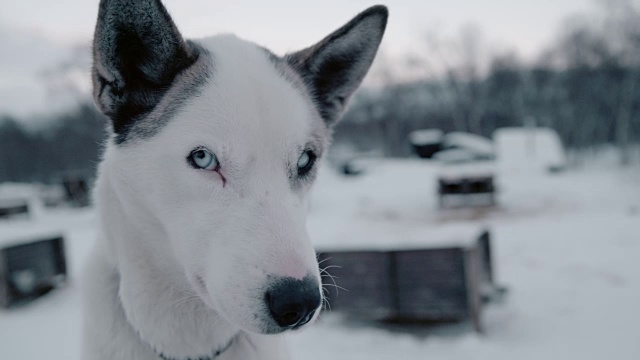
(182, 290)
(325, 273)
(337, 287)
(331, 267)
(185, 300)
(326, 304)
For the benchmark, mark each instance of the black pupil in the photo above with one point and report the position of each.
(200, 154)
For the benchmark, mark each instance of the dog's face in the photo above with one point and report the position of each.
(219, 141)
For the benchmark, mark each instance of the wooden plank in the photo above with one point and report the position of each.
(474, 296)
(431, 284)
(365, 276)
(4, 285)
(484, 246)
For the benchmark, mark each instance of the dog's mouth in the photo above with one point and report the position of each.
(200, 287)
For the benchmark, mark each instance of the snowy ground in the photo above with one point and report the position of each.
(567, 246)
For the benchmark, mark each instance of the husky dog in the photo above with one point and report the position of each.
(202, 191)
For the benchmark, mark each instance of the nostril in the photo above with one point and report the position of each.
(291, 302)
(292, 317)
(285, 309)
(306, 319)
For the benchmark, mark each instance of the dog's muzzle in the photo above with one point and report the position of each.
(293, 302)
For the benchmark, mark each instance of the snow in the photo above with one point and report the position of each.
(375, 235)
(471, 142)
(475, 169)
(12, 194)
(426, 137)
(19, 235)
(17, 194)
(454, 156)
(521, 149)
(566, 246)
(49, 327)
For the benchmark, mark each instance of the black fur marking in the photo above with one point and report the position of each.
(334, 68)
(186, 85)
(138, 55)
(299, 180)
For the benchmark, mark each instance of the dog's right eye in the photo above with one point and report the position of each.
(203, 158)
(305, 162)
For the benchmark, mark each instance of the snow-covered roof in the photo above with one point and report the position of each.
(13, 191)
(453, 156)
(467, 170)
(12, 201)
(394, 235)
(24, 235)
(426, 136)
(471, 142)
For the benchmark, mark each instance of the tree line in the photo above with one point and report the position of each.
(586, 86)
(69, 143)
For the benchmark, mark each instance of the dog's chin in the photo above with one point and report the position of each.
(200, 287)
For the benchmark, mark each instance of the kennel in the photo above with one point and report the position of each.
(446, 280)
(30, 269)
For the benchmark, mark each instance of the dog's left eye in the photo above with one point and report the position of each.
(305, 162)
(203, 159)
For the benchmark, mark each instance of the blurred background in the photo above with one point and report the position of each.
(480, 200)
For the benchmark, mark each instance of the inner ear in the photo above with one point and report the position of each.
(137, 54)
(336, 66)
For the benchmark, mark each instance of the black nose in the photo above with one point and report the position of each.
(293, 302)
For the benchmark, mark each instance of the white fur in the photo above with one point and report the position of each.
(164, 225)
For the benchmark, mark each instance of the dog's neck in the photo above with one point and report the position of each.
(156, 297)
(215, 355)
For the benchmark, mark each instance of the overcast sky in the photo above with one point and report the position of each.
(34, 34)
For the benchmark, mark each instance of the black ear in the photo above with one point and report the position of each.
(335, 67)
(137, 53)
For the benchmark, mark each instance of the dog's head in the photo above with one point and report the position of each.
(217, 141)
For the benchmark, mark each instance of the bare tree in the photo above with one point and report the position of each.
(458, 64)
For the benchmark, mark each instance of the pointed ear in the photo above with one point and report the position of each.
(334, 68)
(137, 53)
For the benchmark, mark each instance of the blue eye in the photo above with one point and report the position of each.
(305, 162)
(203, 159)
